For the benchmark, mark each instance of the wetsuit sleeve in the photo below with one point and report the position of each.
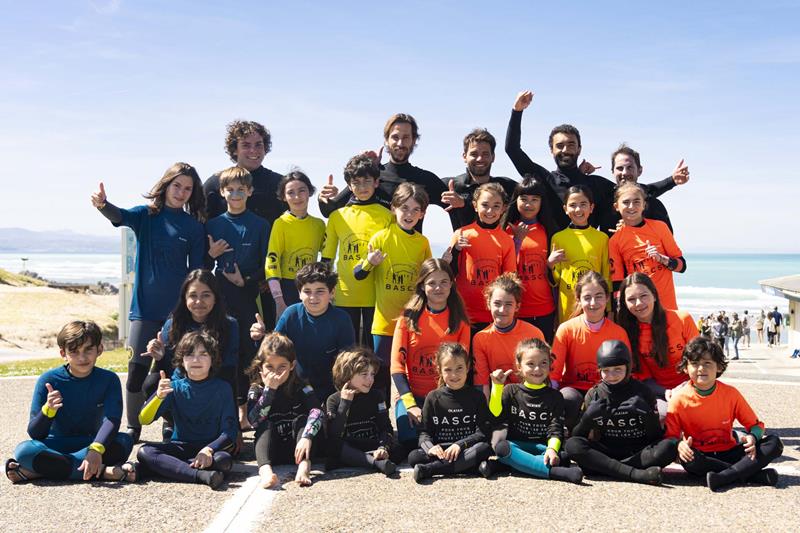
(111, 212)
(331, 240)
(496, 399)
(360, 272)
(425, 440)
(519, 158)
(41, 417)
(152, 409)
(112, 412)
(275, 249)
(671, 247)
(315, 415)
(338, 410)
(556, 428)
(229, 422)
(658, 188)
(385, 431)
(341, 199)
(259, 403)
(398, 363)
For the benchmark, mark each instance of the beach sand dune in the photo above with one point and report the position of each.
(30, 317)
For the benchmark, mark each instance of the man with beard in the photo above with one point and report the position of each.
(400, 136)
(627, 166)
(247, 143)
(478, 154)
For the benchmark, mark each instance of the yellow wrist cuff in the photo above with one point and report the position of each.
(99, 448)
(48, 411)
(408, 400)
(554, 443)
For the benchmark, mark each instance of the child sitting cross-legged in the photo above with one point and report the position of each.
(75, 417)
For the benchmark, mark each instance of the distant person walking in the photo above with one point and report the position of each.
(771, 327)
(719, 330)
(746, 329)
(737, 331)
(760, 326)
(777, 317)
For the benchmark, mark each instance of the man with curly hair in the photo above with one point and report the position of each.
(247, 143)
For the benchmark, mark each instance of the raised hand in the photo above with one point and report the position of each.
(556, 256)
(328, 191)
(587, 168)
(347, 392)
(500, 376)
(523, 100)
(685, 452)
(681, 173)
(273, 380)
(652, 252)
(521, 231)
(258, 329)
(99, 198)
(375, 257)
(217, 248)
(451, 197)
(234, 277)
(164, 385)
(447, 255)
(461, 241)
(155, 349)
(203, 459)
(54, 399)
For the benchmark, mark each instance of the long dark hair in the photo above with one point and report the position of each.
(535, 187)
(217, 322)
(416, 305)
(196, 206)
(631, 324)
(274, 344)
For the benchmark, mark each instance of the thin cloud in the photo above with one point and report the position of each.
(106, 8)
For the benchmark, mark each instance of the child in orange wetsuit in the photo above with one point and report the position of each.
(576, 342)
(495, 346)
(434, 314)
(700, 417)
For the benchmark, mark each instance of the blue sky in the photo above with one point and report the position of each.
(117, 91)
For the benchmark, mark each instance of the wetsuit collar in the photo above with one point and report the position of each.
(573, 226)
(487, 226)
(707, 392)
(507, 328)
(531, 386)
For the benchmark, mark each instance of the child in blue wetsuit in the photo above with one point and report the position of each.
(205, 418)
(75, 417)
(201, 306)
(318, 329)
(170, 241)
(532, 413)
(238, 244)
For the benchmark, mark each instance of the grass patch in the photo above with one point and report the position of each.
(114, 360)
(18, 280)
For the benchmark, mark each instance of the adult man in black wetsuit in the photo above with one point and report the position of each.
(400, 136)
(478, 154)
(565, 146)
(627, 166)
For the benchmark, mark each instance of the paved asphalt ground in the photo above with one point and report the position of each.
(353, 500)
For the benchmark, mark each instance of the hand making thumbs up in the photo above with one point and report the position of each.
(258, 329)
(164, 385)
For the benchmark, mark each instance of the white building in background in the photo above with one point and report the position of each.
(787, 287)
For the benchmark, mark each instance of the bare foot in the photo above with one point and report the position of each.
(303, 477)
(269, 480)
(126, 472)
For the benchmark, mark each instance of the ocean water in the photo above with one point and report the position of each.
(712, 282)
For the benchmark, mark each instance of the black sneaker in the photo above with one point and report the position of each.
(487, 468)
(134, 434)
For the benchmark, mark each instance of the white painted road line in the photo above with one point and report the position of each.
(245, 510)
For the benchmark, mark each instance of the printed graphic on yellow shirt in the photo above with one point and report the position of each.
(354, 247)
(401, 277)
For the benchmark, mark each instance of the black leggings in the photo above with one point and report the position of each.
(141, 332)
(273, 449)
(545, 323)
(468, 460)
(735, 462)
(619, 463)
(361, 317)
(355, 452)
(172, 459)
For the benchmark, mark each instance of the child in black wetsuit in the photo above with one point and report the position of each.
(283, 410)
(455, 420)
(621, 414)
(532, 413)
(359, 430)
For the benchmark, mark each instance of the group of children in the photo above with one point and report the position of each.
(465, 339)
